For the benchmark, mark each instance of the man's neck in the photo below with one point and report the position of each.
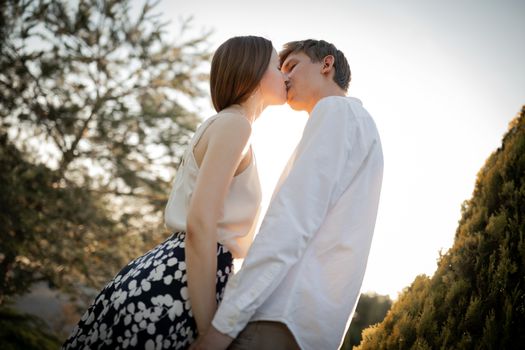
(333, 91)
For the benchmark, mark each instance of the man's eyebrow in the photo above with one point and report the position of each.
(287, 63)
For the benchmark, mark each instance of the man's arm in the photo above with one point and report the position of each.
(296, 213)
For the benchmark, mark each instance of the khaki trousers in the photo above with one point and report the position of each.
(265, 335)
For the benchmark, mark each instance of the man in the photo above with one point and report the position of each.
(299, 284)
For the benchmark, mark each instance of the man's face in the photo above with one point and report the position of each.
(303, 81)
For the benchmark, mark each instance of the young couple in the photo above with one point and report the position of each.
(302, 274)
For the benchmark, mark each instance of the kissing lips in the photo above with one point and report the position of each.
(288, 92)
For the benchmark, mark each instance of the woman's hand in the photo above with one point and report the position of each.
(212, 340)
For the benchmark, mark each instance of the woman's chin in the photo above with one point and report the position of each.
(279, 102)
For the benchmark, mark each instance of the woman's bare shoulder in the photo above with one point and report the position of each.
(230, 123)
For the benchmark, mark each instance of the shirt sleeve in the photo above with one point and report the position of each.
(296, 212)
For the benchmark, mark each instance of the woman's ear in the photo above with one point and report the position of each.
(328, 63)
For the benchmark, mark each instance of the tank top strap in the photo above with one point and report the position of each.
(201, 129)
(196, 137)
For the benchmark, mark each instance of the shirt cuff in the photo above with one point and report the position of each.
(229, 320)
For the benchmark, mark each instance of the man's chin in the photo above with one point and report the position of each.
(294, 105)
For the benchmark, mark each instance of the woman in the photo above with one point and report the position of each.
(166, 297)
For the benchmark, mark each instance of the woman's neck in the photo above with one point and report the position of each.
(253, 107)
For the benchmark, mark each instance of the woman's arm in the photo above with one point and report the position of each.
(226, 148)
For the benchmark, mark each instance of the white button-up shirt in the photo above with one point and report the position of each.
(306, 265)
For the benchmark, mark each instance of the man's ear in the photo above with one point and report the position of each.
(328, 63)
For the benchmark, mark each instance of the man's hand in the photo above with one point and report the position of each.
(212, 340)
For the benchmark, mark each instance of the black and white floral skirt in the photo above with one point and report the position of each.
(146, 305)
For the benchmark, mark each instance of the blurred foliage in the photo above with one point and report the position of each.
(95, 92)
(371, 309)
(18, 331)
(52, 230)
(97, 101)
(476, 298)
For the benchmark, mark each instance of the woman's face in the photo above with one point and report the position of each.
(272, 86)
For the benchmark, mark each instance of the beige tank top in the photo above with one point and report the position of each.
(241, 207)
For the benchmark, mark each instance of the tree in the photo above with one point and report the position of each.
(370, 310)
(476, 298)
(94, 110)
(100, 89)
(24, 332)
(49, 232)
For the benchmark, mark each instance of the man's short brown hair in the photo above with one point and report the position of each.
(317, 50)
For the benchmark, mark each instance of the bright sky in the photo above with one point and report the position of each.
(442, 79)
